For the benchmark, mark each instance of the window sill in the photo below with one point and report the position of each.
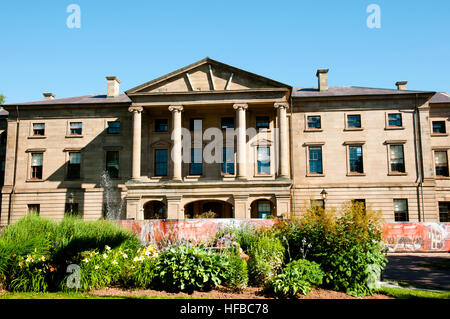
(37, 137)
(349, 129)
(439, 134)
(35, 180)
(313, 130)
(356, 174)
(113, 134)
(397, 174)
(74, 136)
(315, 175)
(394, 128)
(263, 175)
(192, 178)
(443, 177)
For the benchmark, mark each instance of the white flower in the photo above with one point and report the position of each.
(85, 260)
(107, 247)
(125, 256)
(105, 256)
(114, 262)
(96, 267)
(43, 258)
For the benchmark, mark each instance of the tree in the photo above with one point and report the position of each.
(2, 99)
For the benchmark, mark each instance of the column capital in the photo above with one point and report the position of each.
(281, 105)
(135, 108)
(176, 108)
(243, 106)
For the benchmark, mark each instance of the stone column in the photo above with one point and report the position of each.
(136, 156)
(241, 140)
(283, 139)
(174, 208)
(241, 208)
(176, 137)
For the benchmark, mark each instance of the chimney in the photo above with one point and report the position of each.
(322, 75)
(401, 85)
(48, 96)
(112, 87)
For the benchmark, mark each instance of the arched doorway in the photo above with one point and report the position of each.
(155, 210)
(262, 208)
(208, 209)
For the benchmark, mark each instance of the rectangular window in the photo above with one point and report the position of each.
(439, 127)
(441, 162)
(112, 163)
(317, 204)
(262, 122)
(76, 128)
(401, 210)
(195, 124)
(71, 209)
(161, 125)
(196, 161)
(356, 159)
(74, 165)
(397, 159)
(314, 122)
(395, 120)
(38, 129)
(227, 122)
(315, 160)
(160, 162)
(34, 209)
(263, 160)
(113, 127)
(36, 165)
(361, 202)
(444, 208)
(228, 160)
(354, 121)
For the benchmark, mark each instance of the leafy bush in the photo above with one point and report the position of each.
(265, 250)
(34, 252)
(266, 258)
(297, 277)
(236, 274)
(185, 268)
(347, 245)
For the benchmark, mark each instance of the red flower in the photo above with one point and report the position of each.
(14, 255)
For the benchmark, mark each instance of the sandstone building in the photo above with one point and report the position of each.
(388, 148)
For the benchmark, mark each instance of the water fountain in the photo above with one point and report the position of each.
(112, 202)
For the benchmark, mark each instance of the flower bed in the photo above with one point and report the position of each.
(324, 249)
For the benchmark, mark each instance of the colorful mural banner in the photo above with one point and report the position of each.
(399, 237)
(417, 237)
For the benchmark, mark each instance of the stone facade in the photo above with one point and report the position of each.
(269, 170)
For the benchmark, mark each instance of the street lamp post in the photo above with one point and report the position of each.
(324, 195)
(71, 198)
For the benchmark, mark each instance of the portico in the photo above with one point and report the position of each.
(259, 160)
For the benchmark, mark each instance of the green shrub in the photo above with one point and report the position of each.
(347, 245)
(265, 250)
(25, 244)
(185, 268)
(266, 258)
(297, 277)
(236, 274)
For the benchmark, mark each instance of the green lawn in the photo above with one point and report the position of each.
(72, 295)
(403, 293)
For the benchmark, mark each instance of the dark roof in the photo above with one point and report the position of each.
(347, 91)
(441, 97)
(86, 99)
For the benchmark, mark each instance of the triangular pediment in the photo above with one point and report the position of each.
(207, 75)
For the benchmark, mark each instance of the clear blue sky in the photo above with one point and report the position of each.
(283, 40)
